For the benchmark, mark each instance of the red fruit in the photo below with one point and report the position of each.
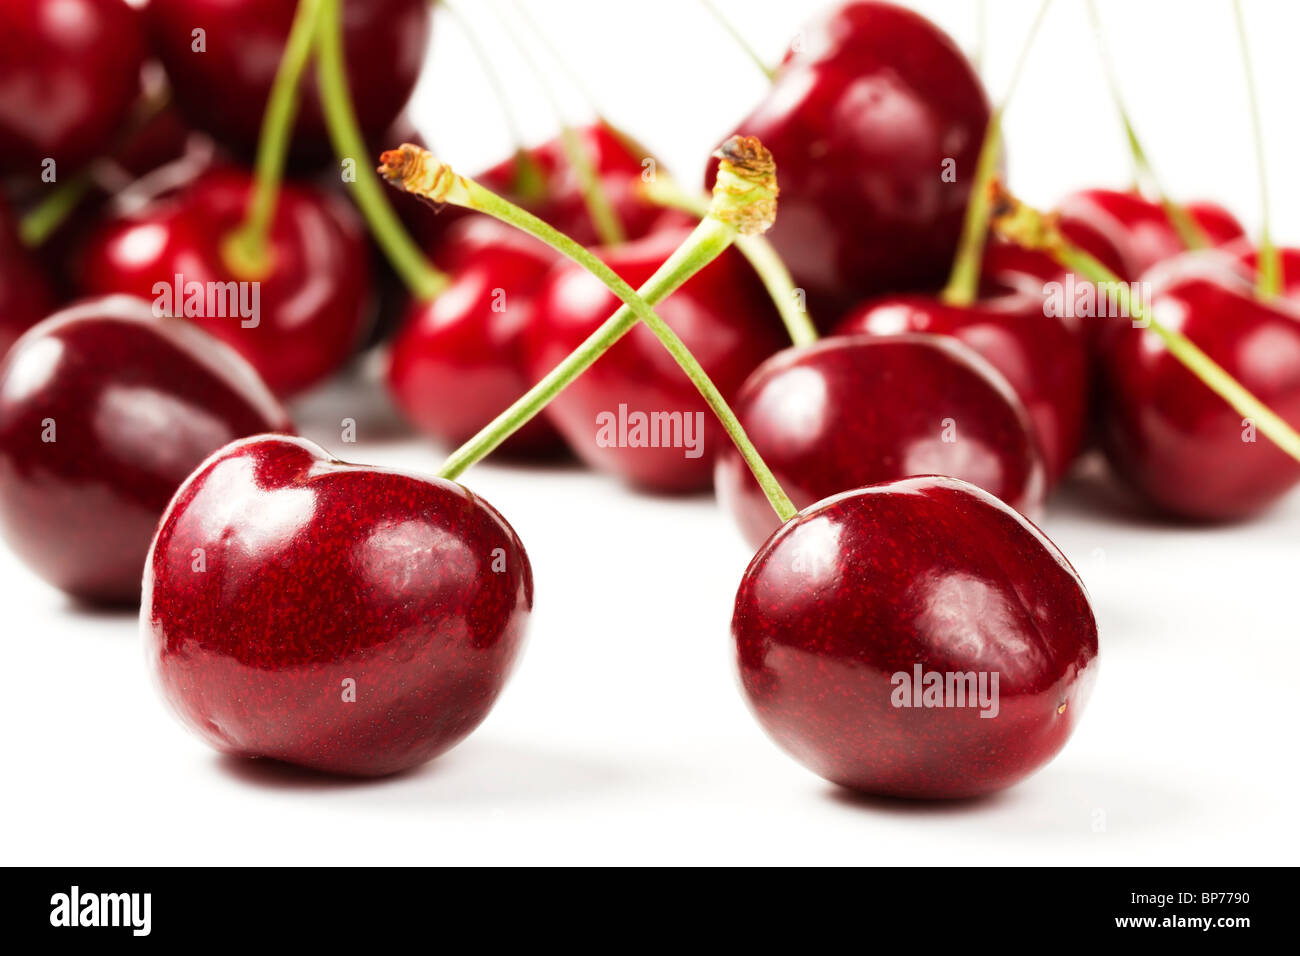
(1165, 433)
(856, 410)
(457, 362)
(724, 316)
(69, 72)
(840, 607)
(25, 295)
(1041, 356)
(1138, 227)
(862, 128)
(311, 305)
(104, 410)
(345, 618)
(223, 88)
(1248, 256)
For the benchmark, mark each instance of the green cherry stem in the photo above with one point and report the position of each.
(1144, 173)
(529, 182)
(408, 261)
(1026, 226)
(789, 300)
(744, 201)
(246, 250)
(746, 47)
(51, 212)
(608, 227)
(963, 282)
(1268, 280)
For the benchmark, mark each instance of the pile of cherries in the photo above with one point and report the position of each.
(360, 621)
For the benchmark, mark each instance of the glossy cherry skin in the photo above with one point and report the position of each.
(104, 410)
(312, 303)
(1166, 434)
(857, 410)
(724, 316)
(25, 294)
(224, 89)
(458, 361)
(320, 578)
(1043, 357)
(1139, 227)
(927, 571)
(69, 72)
(860, 134)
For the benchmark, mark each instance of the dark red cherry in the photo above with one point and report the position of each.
(104, 411)
(69, 72)
(457, 362)
(1166, 434)
(296, 324)
(25, 294)
(1039, 351)
(863, 130)
(349, 619)
(844, 607)
(723, 314)
(856, 410)
(1139, 227)
(223, 88)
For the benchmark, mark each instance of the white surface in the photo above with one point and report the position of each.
(622, 737)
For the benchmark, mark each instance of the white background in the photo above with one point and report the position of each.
(622, 737)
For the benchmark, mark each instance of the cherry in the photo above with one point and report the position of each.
(458, 360)
(840, 609)
(312, 302)
(855, 410)
(1042, 356)
(862, 125)
(723, 315)
(1139, 227)
(224, 87)
(104, 410)
(1168, 435)
(25, 295)
(69, 72)
(339, 617)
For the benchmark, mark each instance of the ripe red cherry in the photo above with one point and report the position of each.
(1043, 357)
(224, 88)
(349, 619)
(104, 411)
(1165, 433)
(1139, 227)
(457, 362)
(930, 573)
(69, 72)
(25, 295)
(312, 302)
(723, 314)
(861, 129)
(856, 410)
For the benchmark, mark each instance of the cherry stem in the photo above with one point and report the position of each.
(423, 280)
(963, 282)
(1026, 226)
(1144, 173)
(744, 202)
(789, 300)
(246, 250)
(746, 47)
(529, 182)
(606, 222)
(1268, 279)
